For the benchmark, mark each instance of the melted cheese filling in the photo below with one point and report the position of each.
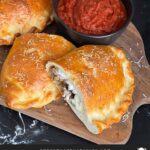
(69, 93)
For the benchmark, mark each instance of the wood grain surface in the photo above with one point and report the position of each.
(59, 114)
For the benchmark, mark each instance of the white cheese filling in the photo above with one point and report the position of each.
(69, 93)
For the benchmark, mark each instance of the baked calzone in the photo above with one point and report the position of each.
(25, 82)
(22, 16)
(97, 82)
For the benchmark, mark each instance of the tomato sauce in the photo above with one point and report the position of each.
(92, 17)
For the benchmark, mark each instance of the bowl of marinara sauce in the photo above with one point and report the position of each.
(93, 21)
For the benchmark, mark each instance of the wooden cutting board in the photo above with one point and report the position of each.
(60, 115)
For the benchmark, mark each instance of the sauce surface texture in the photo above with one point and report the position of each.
(92, 17)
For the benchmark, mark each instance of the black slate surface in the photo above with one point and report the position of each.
(14, 130)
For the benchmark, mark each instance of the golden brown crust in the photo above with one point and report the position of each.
(24, 80)
(21, 16)
(105, 80)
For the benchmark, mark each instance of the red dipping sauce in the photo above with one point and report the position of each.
(92, 17)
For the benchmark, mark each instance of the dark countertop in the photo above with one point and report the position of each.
(14, 130)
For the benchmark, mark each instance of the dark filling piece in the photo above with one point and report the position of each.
(68, 94)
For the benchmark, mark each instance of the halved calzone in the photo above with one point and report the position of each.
(97, 82)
